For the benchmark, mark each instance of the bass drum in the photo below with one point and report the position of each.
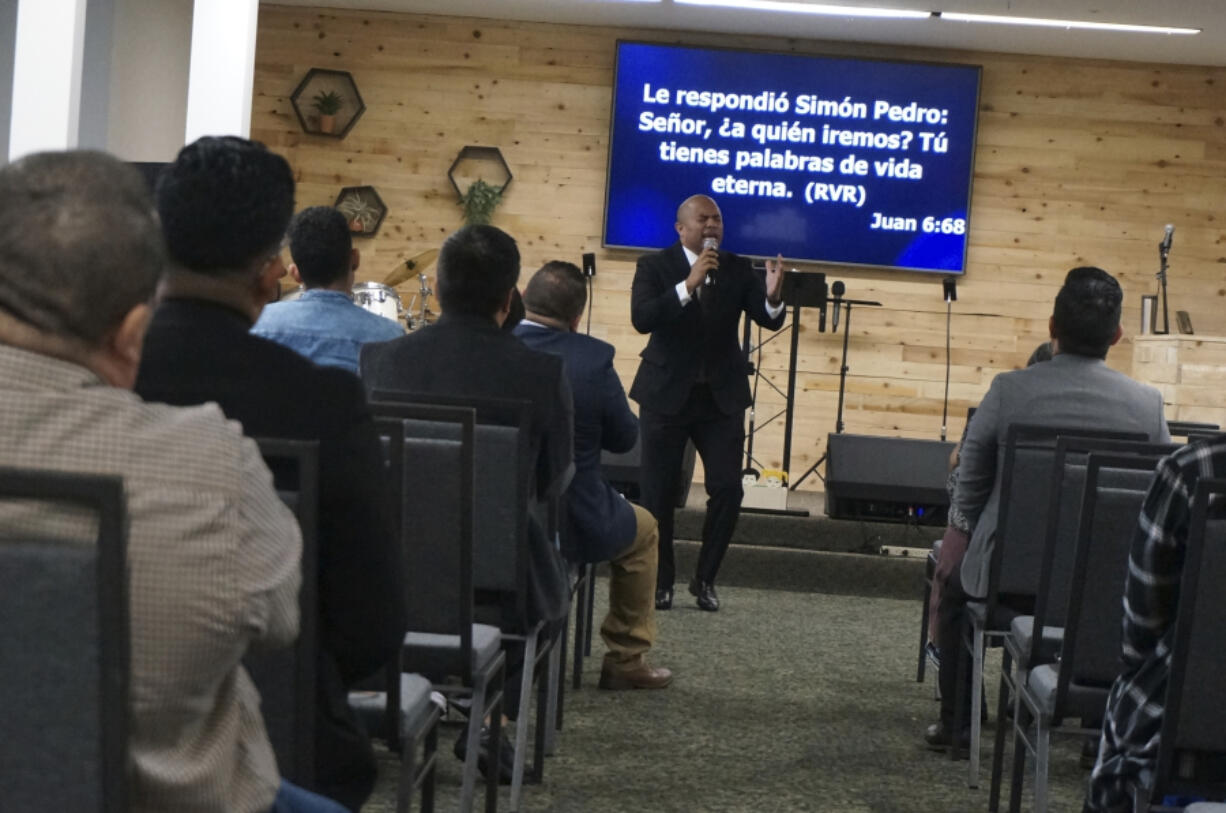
(379, 299)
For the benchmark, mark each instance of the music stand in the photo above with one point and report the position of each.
(838, 424)
(800, 290)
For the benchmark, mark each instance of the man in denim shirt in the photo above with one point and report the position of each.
(323, 324)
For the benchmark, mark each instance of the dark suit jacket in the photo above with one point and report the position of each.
(463, 355)
(683, 338)
(601, 518)
(198, 351)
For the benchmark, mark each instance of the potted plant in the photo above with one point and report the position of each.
(479, 202)
(360, 213)
(327, 104)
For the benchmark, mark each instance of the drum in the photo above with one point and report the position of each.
(379, 299)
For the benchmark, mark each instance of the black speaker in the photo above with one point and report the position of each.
(887, 479)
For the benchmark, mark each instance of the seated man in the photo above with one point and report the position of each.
(1076, 388)
(466, 353)
(212, 553)
(323, 324)
(224, 204)
(604, 526)
(1128, 752)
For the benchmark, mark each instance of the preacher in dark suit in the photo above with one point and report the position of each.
(692, 381)
(225, 204)
(604, 527)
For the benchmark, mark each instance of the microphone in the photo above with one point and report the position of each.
(589, 264)
(1165, 245)
(838, 289)
(951, 289)
(712, 244)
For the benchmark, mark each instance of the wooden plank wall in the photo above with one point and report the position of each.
(1078, 162)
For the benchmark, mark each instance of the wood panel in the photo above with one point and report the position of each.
(1078, 162)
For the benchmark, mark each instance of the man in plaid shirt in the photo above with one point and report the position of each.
(1129, 750)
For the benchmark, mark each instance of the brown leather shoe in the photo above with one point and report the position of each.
(643, 676)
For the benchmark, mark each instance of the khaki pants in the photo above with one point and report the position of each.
(629, 629)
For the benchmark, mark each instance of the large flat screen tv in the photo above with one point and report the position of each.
(826, 160)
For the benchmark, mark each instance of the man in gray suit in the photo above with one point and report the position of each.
(1076, 388)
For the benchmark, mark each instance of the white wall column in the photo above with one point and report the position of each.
(222, 70)
(47, 76)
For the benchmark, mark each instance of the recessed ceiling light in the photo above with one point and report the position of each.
(958, 16)
(810, 8)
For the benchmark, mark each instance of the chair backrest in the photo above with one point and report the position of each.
(286, 677)
(1064, 514)
(1116, 485)
(64, 651)
(1025, 499)
(1191, 429)
(1193, 736)
(433, 479)
(503, 488)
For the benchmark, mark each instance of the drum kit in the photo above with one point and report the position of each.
(382, 299)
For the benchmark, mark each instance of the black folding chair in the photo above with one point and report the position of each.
(504, 490)
(1072, 680)
(65, 645)
(1192, 745)
(286, 677)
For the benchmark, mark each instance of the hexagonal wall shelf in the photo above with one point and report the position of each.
(327, 102)
(363, 208)
(479, 163)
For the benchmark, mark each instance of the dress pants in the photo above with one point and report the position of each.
(629, 629)
(718, 439)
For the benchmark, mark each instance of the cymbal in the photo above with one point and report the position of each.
(411, 267)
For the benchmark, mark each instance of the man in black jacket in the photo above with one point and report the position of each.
(225, 204)
(692, 381)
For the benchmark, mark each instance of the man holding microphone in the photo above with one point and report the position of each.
(692, 381)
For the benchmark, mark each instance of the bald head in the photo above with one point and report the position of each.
(80, 245)
(699, 218)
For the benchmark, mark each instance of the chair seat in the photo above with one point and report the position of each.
(1021, 635)
(433, 654)
(1002, 616)
(415, 702)
(1081, 701)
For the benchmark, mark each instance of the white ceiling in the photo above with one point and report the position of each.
(1205, 48)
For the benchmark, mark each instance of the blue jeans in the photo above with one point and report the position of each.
(293, 799)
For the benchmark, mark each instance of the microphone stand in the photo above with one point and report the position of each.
(1163, 250)
(843, 368)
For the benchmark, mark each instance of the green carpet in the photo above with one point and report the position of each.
(782, 701)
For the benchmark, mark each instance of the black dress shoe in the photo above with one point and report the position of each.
(705, 593)
(938, 738)
(664, 598)
(506, 754)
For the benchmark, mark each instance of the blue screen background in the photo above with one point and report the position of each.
(644, 191)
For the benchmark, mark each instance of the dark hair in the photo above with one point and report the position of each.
(79, 243)
(1041, 353)
(557, 290)
(1087, 312)
(516, 314)
(320, 243)
(224, 202)
(477, 267)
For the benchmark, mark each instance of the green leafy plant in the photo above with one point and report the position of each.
(327, 103)
(479, 202)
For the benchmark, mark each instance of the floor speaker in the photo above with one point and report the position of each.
(887, 479)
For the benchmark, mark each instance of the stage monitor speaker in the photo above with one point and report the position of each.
(887, 479)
